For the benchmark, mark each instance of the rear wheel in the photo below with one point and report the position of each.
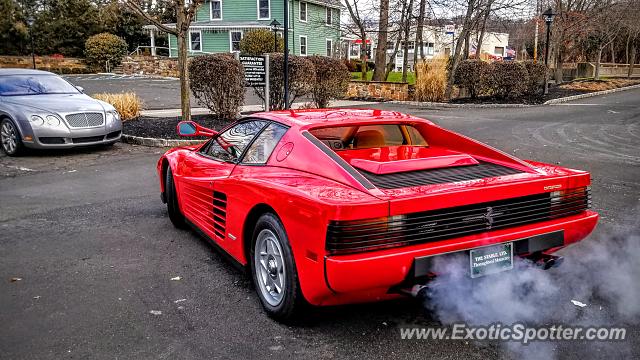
(274, 271)
(10, 138)
(175, 215)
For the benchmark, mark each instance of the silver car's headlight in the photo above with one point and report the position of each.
(52, 120)
(36, 120)
(113, 116)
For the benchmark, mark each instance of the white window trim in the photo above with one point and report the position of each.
(306, 11)
(194, 31)
(231, 39)
(306, 45)
(258, 10)
(211, 11)
(328, 10)
(327, 40)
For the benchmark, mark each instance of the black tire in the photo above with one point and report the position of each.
(292, 301)
(10, 138)
(175, 215)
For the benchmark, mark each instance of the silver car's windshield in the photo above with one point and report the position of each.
(14, 85)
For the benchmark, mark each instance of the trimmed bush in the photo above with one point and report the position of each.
(431, 79)
(217, 82)
(302, 75)
(332, 80)
(472, 75)
(536, 77)
(508, 79)
(127, 104)
(100, 48)
(258, 42)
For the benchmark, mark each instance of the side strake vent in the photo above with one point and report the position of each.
(373, 234)
(438, 176)
(219, 214)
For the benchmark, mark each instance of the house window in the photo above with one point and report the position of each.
(499, 50)
(264, 9)
(329, 19)
(216, 9)
(429, 48)
(195, 41)
(329, 47)
(303, 11)
(354, 52)
(234, 39)
(303, 45)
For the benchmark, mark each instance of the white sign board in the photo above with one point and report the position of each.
(450, 29)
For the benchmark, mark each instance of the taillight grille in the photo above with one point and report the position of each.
(373, 234)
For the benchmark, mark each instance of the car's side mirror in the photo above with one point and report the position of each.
(80, 88)
(191, 128)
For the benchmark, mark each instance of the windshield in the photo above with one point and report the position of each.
(13, 85)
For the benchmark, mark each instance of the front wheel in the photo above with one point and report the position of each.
(10, 138)
(173, 208)
(274, 271)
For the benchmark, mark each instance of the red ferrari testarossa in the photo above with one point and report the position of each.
(339, 206)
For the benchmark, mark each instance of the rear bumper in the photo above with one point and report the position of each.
(368, 276)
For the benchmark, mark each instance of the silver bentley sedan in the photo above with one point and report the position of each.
(39, 110)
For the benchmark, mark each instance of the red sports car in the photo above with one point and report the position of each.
(339, 206)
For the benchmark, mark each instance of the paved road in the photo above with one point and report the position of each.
(91, 241)
(156, 93)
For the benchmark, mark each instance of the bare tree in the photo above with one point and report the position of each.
(419, 34)
(185, 11)
(407, 37)
(379, 73)
(359, 20)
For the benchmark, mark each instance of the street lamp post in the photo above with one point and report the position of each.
(548, 19)
(286, 54)
(275, 25)
(33, 56)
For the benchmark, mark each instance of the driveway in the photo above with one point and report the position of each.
(86, 233)
(156, 93)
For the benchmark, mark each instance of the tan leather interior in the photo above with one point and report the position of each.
(369, 139)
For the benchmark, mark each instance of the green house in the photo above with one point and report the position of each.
(314, 25)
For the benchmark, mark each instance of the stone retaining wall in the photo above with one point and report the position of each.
(380, 90)
(150, 65)
(59, 65)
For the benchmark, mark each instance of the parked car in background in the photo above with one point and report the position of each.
(340, 206)
(41, 110)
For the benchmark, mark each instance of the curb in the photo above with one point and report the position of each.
(154, 142)
(588, 95)
(460, 106)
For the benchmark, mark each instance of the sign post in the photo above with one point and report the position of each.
(256, 73)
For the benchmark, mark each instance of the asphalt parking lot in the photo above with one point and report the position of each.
(86, 233)
(156, 93)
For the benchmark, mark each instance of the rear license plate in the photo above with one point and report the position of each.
(491, 259)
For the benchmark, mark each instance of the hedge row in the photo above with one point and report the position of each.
(217, 81)
(501, 79)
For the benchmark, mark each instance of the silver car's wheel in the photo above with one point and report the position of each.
(269, 267)
(10, 137)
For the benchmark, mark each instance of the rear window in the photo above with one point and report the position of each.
(369, 136)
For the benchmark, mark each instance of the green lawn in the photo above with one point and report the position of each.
(393, 76)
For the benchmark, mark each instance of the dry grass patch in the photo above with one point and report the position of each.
(431, 80)
(598, 85)
(127, 104)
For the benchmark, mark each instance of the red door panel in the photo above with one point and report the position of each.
(198, 201)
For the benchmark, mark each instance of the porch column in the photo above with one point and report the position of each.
(153, 42)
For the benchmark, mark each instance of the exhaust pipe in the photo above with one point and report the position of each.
(546, 262)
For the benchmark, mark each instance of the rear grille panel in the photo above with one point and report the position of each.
(436, 225)
(438, 176)
(81, 120)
